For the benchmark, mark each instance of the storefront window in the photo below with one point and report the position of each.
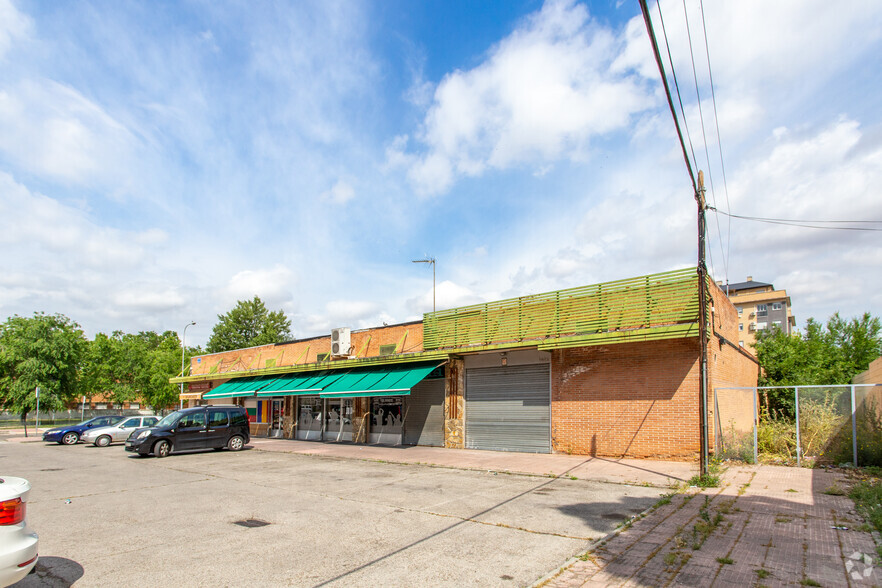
(387, 420)
(309, 421)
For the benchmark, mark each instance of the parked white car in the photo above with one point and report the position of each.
(18, 542)
(104, 436)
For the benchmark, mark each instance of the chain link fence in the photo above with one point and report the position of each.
(818, 424)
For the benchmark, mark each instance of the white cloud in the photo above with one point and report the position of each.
(156, 297)
(273, 286)
(13, 26)
(52, 129)
(447, 295)
(541, 95)
(340, 193)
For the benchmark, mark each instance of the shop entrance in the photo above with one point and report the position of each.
(276, 414)
(338, 420)
(387, 422)
(309, 421)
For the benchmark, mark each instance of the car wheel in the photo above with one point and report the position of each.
(162, 449)
(236, 443)
(70, 438)
(103, 441)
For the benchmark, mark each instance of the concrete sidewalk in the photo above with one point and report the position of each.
(664, 474)
(766, 526)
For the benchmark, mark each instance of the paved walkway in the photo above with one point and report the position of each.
(767, 526)
(620, 471)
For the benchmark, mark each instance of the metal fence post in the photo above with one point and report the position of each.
(798, 446)
(755, 424)
(853, 428)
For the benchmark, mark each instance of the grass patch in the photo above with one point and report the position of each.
(809, 582)
(867, 496)
(671, 558)
(791, 490)
(783, 519)
(705, 481)
(762, 573)
(726, 561)
(834, 490)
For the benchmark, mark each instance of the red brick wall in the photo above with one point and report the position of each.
(628, 399)
(365, 343)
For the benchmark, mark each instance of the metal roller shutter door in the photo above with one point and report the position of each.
(508, 408)
(424, 422)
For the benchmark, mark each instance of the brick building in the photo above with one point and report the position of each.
(609, 369)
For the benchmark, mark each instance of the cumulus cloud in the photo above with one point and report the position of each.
(447, 295)
(541, 95)
(272, 285)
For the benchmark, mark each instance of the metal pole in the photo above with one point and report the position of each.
(755, 423)
(702, 324)
(37, 424)
(83, 408)
(433, 284)
(183, 349)
(853, 428)
(798, 446)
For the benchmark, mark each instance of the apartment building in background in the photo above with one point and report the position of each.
(759, 307)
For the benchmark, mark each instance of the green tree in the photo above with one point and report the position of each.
(249, 324)
(45, 351)
(125, 367)
(823, 355)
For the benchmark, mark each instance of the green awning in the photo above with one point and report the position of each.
(391, 380)
(233, 388)
(294, 385)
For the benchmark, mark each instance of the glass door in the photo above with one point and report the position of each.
(309, 422)
(276, 414)
(338, 420)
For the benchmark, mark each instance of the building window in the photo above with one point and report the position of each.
(322, 356)
(100, 406)
(134, 405)
(387, 349)
(777, 306)
(740, 326)
(739, 309)
(741, 344)
(762, 310)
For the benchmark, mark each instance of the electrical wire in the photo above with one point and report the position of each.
(710, 173)
(719, 138)
(676, 87)
(802, 223)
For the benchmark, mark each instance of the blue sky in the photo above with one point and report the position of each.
(161, 160)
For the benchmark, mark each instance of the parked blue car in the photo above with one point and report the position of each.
(70, 434)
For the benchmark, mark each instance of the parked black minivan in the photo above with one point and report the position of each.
(202, 427)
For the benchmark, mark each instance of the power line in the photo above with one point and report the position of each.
(704, 137)
(719, 138)
(661, 70)
(801, 223)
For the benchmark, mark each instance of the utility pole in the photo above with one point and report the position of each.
(702, 321)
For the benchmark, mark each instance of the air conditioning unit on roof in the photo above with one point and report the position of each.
(340, 343)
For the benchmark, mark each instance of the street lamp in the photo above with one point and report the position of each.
(432, 261)
(183, 348)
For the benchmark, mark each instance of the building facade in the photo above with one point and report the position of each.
(759, 307)
(609, 370)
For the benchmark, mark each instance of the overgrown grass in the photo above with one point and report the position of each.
(867, 495)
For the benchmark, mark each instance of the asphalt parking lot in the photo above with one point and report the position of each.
(107, 517)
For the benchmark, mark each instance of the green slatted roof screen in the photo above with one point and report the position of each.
(647, 302)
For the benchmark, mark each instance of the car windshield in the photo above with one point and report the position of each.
(169, 419)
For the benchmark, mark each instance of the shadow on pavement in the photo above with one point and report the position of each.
(55, 572)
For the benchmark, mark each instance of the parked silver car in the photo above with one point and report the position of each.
(104, 436)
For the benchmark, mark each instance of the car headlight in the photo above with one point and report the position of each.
(143, 434)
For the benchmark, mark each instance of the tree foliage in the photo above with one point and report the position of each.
(823, 355)
(247, 325)
(125, 367)
(45, 351)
